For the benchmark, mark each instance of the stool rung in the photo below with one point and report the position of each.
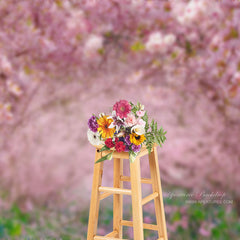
(143, 180)
(111, 234)
(145, 225)
(149, 198)
(115, 190)
(107, 238)
(105, 195)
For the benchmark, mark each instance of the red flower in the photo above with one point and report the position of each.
(120, 147)
(109, 143)
(122, 108)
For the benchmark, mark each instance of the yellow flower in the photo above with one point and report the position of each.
(103, 127)
(137, 139)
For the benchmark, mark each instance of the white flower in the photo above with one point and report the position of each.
(236, 77)
(159, 43)
(114, 114)
(137, 3)
(155, 42)
(94, 137)
(101, 114)
(138, 129)
(5, 64)
(93, 44)
(186, 14)
(169, 39)
(141, 107)
(5, 112)
(14, 88)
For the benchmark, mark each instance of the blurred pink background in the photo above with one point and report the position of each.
(61, 61)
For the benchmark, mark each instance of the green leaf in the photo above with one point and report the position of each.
(131, 104)
(216, 233)
(104, 148)
(101, 51)
(18, 214)
(106, 157)
(134, 108)
(132, 156)
(152, 125)
(155, 127)
(145, 118)
(158, 140)
(176, 216)
(188, 47)
(137, 47)
(13, 228)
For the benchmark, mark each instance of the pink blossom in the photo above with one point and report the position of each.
(93, 44)
(184, 222)
(141, 122)
(14, 88)
(5, 112)
(5, 64)
(131, 120)
(122, 108)
(50, 57)
(204, 232)
(147, 219)
(140, 113)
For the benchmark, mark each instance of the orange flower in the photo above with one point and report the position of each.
(104, 123)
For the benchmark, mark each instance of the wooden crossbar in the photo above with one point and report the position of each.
(145, 225)
(112, 234)
(143, 180)
(115, 190)
(104, 195)
(107, 238)
(149, 198)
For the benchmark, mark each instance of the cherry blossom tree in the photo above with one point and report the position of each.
(180, 58)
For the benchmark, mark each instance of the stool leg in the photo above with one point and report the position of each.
(117, 198)
(136, 199)
(95, 200)
(158, 202)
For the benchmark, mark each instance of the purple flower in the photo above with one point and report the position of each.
(127, 140)
(92, 124)
(136, 148)
(126, 148)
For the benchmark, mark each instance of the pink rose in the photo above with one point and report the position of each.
(141, 122)
(140, 113)
(130, 120)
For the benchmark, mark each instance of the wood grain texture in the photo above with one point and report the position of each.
(117, 198)
(95, 198)
(115, 190)
(137, 213)
(158, 201)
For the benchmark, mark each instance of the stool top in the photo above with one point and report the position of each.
(124, 155)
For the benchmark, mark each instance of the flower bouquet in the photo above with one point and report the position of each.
(126, 130)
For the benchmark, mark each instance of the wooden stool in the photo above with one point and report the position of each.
(99, 192)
